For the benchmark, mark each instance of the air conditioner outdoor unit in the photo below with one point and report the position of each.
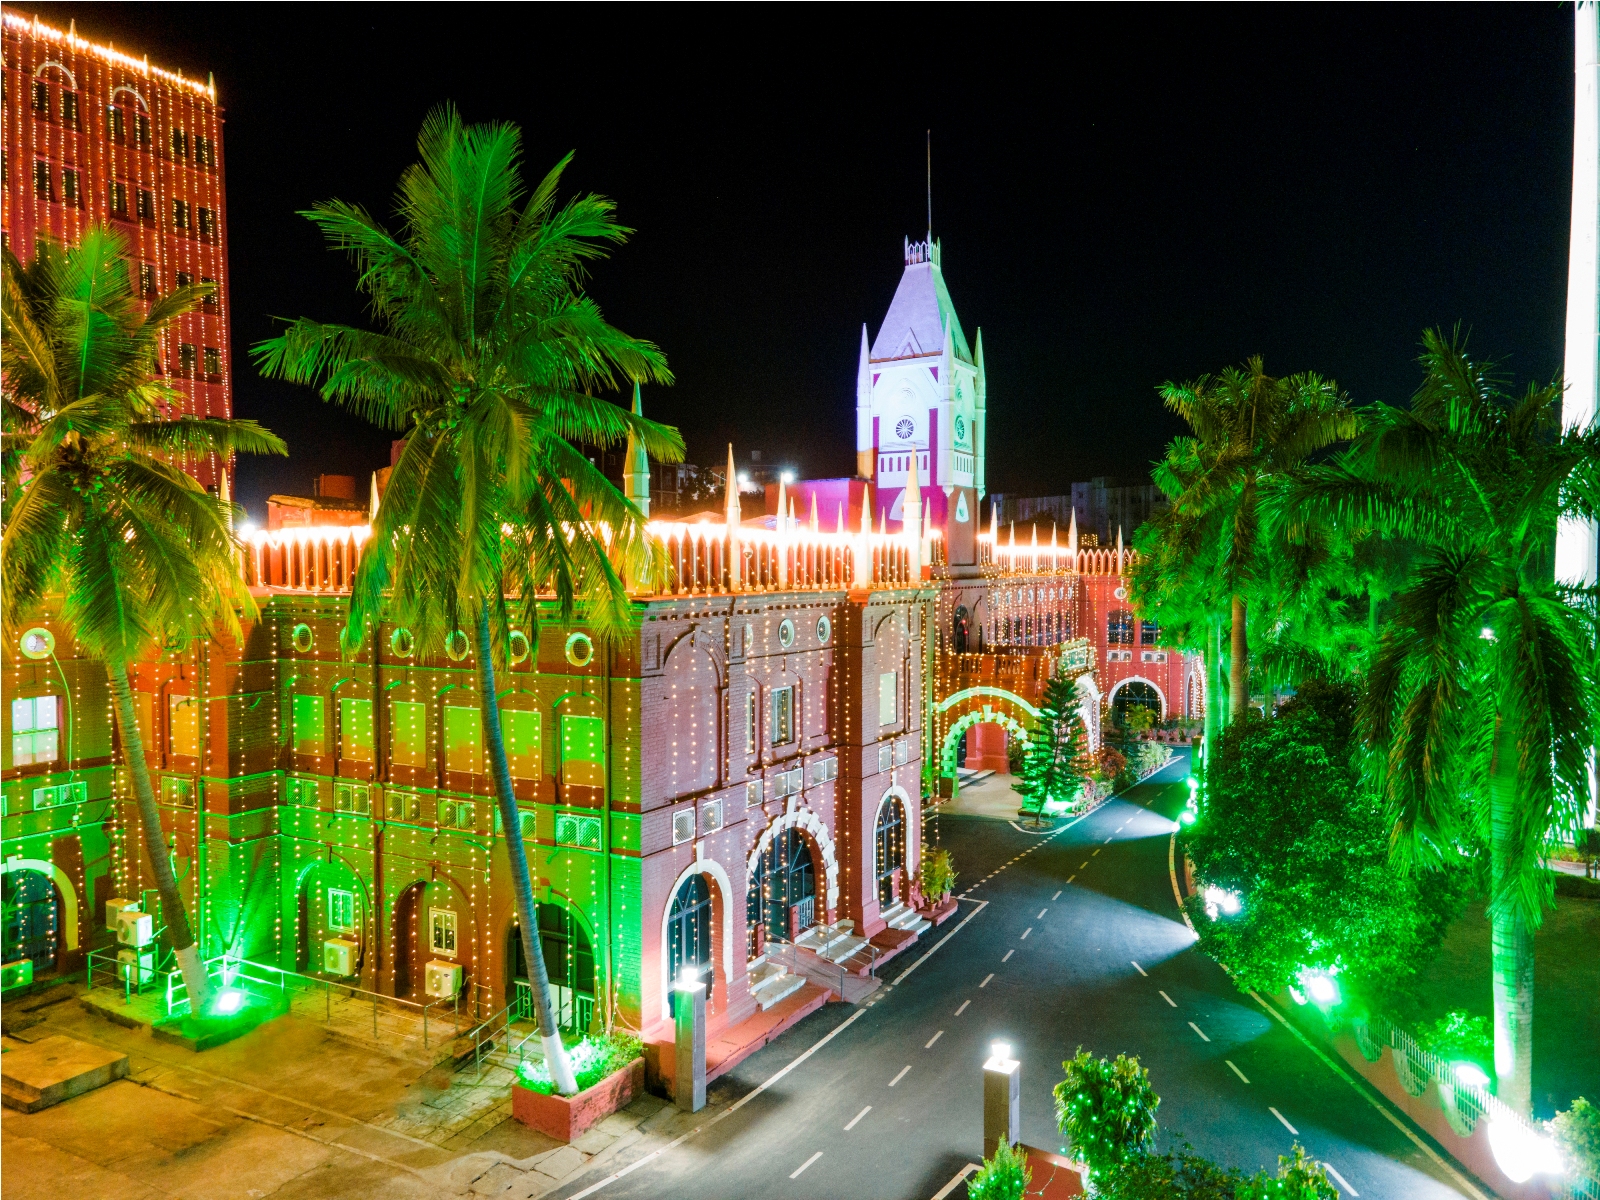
(16, 974)
(137, 967)
(339, 956)
(443, 978)
(115, 907)
(135, 928)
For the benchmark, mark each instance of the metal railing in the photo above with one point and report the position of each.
(1464, 1104)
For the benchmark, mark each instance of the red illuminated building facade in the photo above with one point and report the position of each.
(93, 136)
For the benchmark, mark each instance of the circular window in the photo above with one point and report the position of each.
(1121, 593)
(301, 639)
(580, 649)
(519, 646)
(904, 428)
(786, 634)
(824, 630)
(38, 643)
(456, 645)
(402, 643)
(961, 424)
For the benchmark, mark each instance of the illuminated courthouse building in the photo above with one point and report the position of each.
(753, 766)
(93, 137)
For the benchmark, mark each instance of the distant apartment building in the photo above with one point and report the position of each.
(1102, 505)
(95, 136)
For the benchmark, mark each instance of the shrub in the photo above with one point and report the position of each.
(1298, 1178)
(1149, 757)
(1290, 826)
(1107, 1109)
(1004, 1177)
(938, 873)
(1577, 1132)
(593, 1059)
(1456, 1036)
(1182, 1175)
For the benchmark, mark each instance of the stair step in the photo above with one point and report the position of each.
(777, 988)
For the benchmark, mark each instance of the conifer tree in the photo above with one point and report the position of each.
(1053, 766)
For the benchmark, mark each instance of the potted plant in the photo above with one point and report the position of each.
(938, 882)
(610, 1072)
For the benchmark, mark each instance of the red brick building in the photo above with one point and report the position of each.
(93, 136)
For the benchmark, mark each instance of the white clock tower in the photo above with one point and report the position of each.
(921, 394)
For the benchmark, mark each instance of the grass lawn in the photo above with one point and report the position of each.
(1566, 995)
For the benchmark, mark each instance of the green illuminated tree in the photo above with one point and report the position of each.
(1249, 428)
(1107, 1109)
(98, 517)
(1482, 700)
(1053, 765)
(487, 355)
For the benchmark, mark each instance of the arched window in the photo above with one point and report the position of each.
(781, 902)
(689, 930)
(891, 849)
(32, 920)
(1135, 694)
(961, 629)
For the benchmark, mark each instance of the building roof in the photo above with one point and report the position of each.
(920, 310)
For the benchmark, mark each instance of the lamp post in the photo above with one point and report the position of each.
(689, 1060)
(1002, 1099)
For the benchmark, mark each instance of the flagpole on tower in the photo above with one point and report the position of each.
(930, 192)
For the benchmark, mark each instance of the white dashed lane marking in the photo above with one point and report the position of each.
(986, 979)
(857, 1117)
(1169, 999)
(1008, 955)
(934, 1039)
(1341, 1180)
(963, 1007)
(1285, 1121)
(1200, 1031)
(900, 1076)
(1235, 1070)
(1140, 969)
(795, 1174)
(1056, 897)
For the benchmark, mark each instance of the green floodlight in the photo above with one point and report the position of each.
(1321, 987)
(1471, 1074)
(1187, 817)
(228, 1003)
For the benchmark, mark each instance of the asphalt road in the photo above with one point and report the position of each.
(1063, 940)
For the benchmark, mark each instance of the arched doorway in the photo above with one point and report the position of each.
(782, 898)
(408, 939)
(961, 629)
(32, 921)
(890, 839)
(689, 931)
(1135, 693)
(568, 962)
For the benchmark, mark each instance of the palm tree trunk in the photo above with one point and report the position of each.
(1510, 937)
(555, 1051)
(172, 909)
(1212, 665)
(1238, 665)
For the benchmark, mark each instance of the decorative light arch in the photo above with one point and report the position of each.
(134, 92)
(719, 875)
(958, 730)
(1111, 696)
(972, 693)
(69, 898)
(60, 66)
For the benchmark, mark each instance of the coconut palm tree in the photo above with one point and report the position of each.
(1482, 698)
(486, 357)
(1248, 426)
(97, 516)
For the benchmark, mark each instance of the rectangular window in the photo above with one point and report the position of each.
(184, 279)
(583, 751)
(147, 205)
(41, 97)
(787, 783)
(824, 769)
(119, 199)
(782, 717)
(408, 734)
(35, 732)
(61, 793)
(186, 359)
(72, 188)
(683, 826)
(141, 129)
(463, 739)
(69, 109)
(526, 822)
(210, 302)
(177, 791)
(42, 185)
(888, 690)
(303, 792)
(341, 910)
(403, 806)
(1119, 627)
(180, 144)
(458, 814)
(752, 794)
(355, 729)
(117, 125)
(202, 151)
(750, 723)
(575, 829)
(206, 222)
(180, 214)
(442, 931)
(310, 735)
(213, 361)
(147, 279)
(520, 729)
(183, 726)
(886, 756)
(711, 816)
(1149, 632)
(352, 798)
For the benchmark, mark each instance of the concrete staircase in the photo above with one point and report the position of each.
(835, 942)
(771, 982)
(902, 917)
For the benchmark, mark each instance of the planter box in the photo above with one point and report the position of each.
(567, 1117)
(940, 912)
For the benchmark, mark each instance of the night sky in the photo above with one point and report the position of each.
(1124, 195)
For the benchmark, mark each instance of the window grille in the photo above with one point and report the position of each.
(752, 794)
(576, 829)
(711, 816)
(177, 791)
(682, 826)
(824, 769)
(341, 910)
(787, 783)
(35, 732)
(61, 793)
(403, 806)
(352, 798)
(886, 756)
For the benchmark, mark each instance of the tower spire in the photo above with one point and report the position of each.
(638, 469)
(731, 503)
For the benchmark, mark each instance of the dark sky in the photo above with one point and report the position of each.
(1125, 195)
